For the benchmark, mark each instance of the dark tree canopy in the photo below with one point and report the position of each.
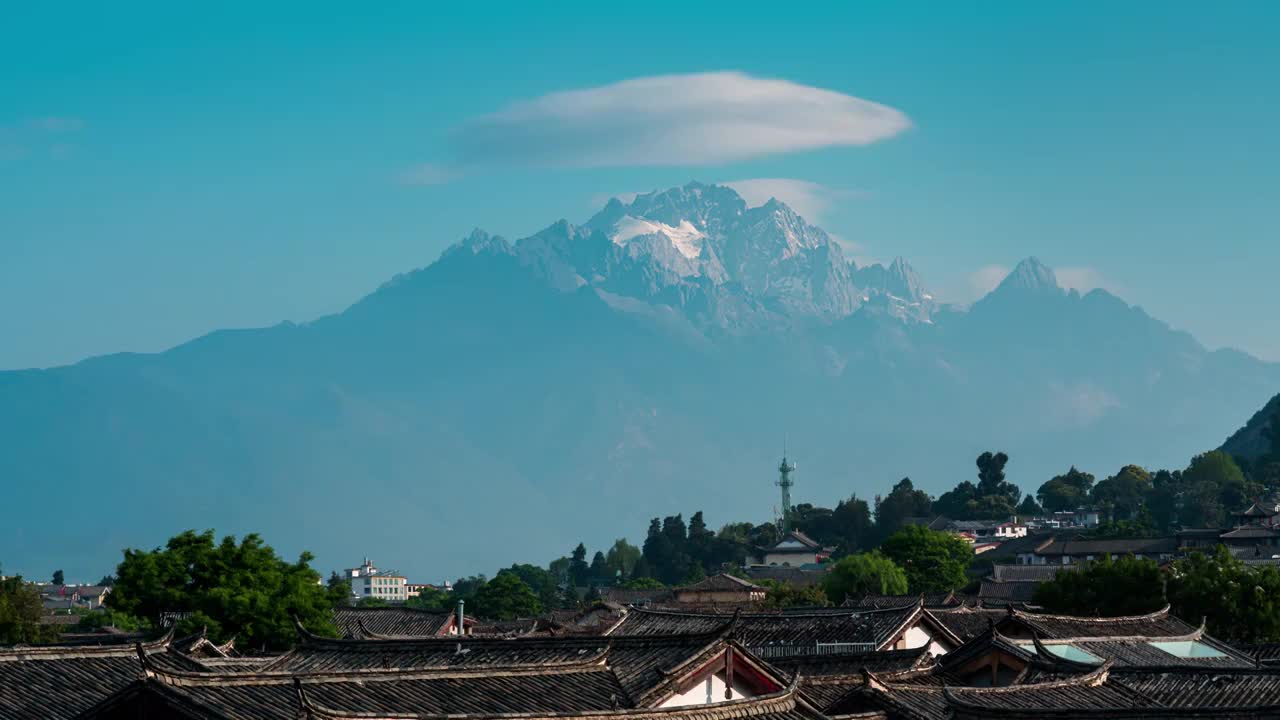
(933, 561)
(1066, 492)
(506, 597)
(59, 578)
(865, 573)
(241, 589)
(1120, 496)
(1029, 508)
(1125, 586)
(20, 613)
(902, 502)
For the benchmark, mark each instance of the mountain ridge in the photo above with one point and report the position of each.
(569, 385)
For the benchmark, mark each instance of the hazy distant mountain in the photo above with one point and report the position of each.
(1251, 441)
(514, 398)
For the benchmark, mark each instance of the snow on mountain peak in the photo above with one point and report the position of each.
(686, 238)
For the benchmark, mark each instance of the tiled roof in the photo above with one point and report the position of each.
(1025, 573)
(1156, 624)
(1112, 692)
(1020, 592)
(390, 621)
(779, 629)
(1250, 532)
(721, 582)
(60, 681)
(316, 654)
(803, 539)
(947, 599)
(1108, 546)
(966, 622)
(785, 574)
(329, 700)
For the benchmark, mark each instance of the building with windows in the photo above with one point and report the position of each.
(368, 581)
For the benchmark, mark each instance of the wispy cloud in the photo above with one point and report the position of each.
(694, 119)
(984, 280)
(1084, 279)
(428, 174)
(810, 199)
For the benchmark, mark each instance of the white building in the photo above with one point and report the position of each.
(368, 581)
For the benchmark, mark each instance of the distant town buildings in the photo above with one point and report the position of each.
(368, 581)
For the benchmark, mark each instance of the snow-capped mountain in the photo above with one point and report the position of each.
(574, 383)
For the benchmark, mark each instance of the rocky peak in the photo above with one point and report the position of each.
(1031, 275)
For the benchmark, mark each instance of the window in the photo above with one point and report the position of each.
(1187, 649)
(1067, 652)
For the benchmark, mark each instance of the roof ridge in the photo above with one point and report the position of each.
(24, 653)
(1154, 615)
(187, 678)
(784, 700)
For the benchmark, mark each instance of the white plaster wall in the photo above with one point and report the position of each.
(697, 695)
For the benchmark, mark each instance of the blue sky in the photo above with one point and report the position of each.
(165, 172)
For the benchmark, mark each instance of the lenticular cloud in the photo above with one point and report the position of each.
(696, 119)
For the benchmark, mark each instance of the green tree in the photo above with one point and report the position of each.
(1066, 492)
(339, 590)
(991, 478)
(1240, 603)
(780, 595)
(1122, 494)
(1109, 587)
(1029, 508)
(373, 602)
(700, 544)
(542, 582)
(234, 589)
(432, 599)
(865, 573)
(1212, 487)
(622, 558)
(600, 569)
(1162, 501)
(59, 578)
(933, 561)
(903, 501)
(506, 597)
(958, 503)
(579, 571)
(643, 583)
(20, 613)
(108, 618)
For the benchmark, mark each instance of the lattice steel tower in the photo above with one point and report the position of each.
(785, 482)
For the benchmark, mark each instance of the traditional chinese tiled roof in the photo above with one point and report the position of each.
(930, 600)
(316, 654)
(826, 679)
(721, 582)
(390, 621)
(1116, 693)
(1267, 654)
(637, 673)
(990, 592)
(964, 622)
(1154, 624)
(799, 537)
(1107, 546)
(874, 627)
(790, 575)
(1250, 532)
(311, 700)
(1026, 573)
(60, 681)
